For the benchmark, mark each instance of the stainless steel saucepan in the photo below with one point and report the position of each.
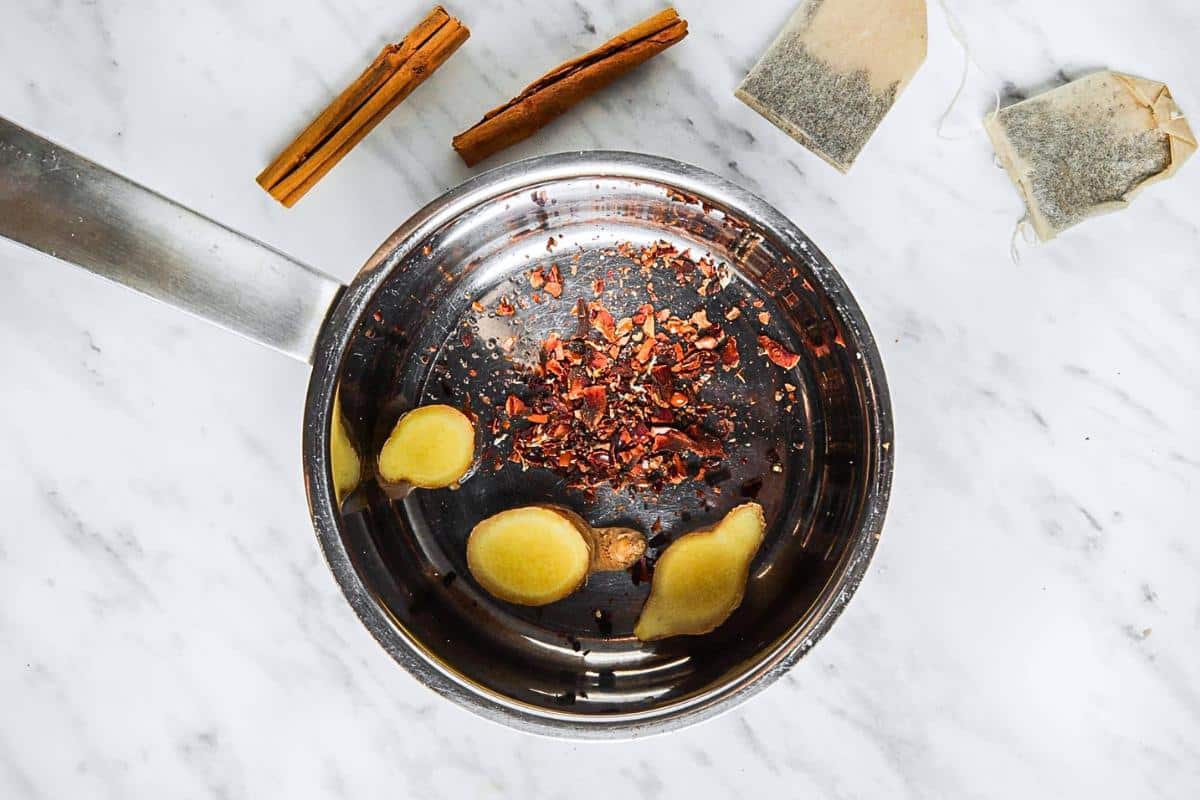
(395, 338)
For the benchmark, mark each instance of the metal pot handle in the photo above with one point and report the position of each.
(61, 204)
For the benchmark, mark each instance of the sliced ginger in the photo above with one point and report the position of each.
(343, 458)
(537, 555)
(431, 447)
(701, 577)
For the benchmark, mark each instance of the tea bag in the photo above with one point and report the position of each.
(835, 70)
(1087, 147)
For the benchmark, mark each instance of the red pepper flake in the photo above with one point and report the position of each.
(677, 473)
(515, 406)
(645, 351)
(554, 285)
(733, 313)
(537, 419)
(675, 441)
(477, 307)
(603, 322)
(598, 287)
(504, 308)
(777, 353)
(764, 317)
(596, 399)
(537, 278)
(648, 326)
(730, 358)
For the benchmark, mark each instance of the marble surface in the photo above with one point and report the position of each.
(1030, 626)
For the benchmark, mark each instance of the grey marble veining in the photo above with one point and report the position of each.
(1030, 626)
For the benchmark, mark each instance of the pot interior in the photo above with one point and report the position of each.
(810, 455)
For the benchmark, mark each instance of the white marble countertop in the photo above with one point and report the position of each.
(1030, 626)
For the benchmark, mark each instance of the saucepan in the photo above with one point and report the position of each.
(418, 325)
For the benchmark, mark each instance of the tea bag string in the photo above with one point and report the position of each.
(1022, 232)
(960, 36)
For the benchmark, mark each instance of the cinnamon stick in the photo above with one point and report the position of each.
(392, 76)
(565, 85)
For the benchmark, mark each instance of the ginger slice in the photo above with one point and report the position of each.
(431, 447)
(835, 70)
(701, 578)
(1089, 146)
(343, 458)
(537, 555)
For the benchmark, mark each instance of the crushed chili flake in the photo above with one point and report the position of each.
(777, 353)
(554, 285)
(764, 317)
(733, 313)
(648, 325)
(504, 308)
(603, 321)
(618, 404)
(730, 358)
(514, 406)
